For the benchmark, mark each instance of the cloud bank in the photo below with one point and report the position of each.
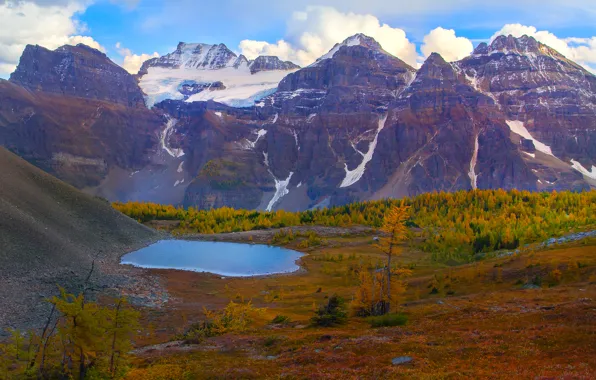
(313, 32)
(309, 33)
(132, 62)
(446, 43)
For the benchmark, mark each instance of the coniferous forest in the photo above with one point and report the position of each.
(453, 226)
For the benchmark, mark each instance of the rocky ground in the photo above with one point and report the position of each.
(50, 234)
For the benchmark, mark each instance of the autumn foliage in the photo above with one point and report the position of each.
(454, 226)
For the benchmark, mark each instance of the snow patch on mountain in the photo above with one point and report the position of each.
(353, 176)
(251, 145)
(295, 134)
(580, 168)
(519, 128)
(281, 189)
(165, 136)
(352, 41)
(473, 162)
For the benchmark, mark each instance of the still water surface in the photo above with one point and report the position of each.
(226, 259)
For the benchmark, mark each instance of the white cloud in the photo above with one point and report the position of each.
(580, 50)
(86, 40)
(313, 32)
(133, 62)
(50, 24)
(446, 43)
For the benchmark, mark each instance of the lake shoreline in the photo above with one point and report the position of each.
(223, 259)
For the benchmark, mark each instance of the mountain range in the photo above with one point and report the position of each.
(204, 127)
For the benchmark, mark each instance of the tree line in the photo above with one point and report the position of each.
(453, 226)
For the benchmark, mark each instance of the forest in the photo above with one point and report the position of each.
(453, 226)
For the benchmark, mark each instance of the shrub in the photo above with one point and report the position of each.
(283, 237)
(554, 277)
(271, 341)
(236, 317)
(281, 319)
(388, 320)
(312, 240)
(334, 313)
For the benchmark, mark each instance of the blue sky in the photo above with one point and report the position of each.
(157, 25)
(149, 26)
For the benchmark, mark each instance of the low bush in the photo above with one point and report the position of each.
(388, 320)
(280, 319)
(236, 317)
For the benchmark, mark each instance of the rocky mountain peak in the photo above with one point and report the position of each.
(524, 45)
(202, 72)
(269, 63)
(79, 71)
(82, 49)
(355, 40)
(241, 61)
(435, 67)
(362, 40)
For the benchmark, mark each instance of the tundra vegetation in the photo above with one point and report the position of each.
(425, 283)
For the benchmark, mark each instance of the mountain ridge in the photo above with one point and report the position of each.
(514, 114)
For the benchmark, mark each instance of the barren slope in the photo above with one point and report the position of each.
(50, 233)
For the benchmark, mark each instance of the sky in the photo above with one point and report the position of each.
(131, 31)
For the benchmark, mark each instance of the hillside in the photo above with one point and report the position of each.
(50, 232)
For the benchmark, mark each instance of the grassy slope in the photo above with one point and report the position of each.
(490, 327)
(49, 231)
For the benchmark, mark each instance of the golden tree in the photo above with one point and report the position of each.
(395, 231)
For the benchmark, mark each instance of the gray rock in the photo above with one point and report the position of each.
(401, 360)
(530, 286)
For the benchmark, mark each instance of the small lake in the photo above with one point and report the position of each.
(225, 259)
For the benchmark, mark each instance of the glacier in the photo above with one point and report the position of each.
(243, 88)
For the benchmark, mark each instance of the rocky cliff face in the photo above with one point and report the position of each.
(78, 71)
(357, 124)
(546, 99)
(361, 124)
(76, 114)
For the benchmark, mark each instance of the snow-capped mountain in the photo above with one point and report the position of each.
(201, 72)
(357, 124)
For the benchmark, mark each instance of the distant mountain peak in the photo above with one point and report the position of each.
(269, 63)
(80, 71)
(436, 68)
(202, 72)
(202, 56)
(81, 49)
(524, 45)
(355, 40)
